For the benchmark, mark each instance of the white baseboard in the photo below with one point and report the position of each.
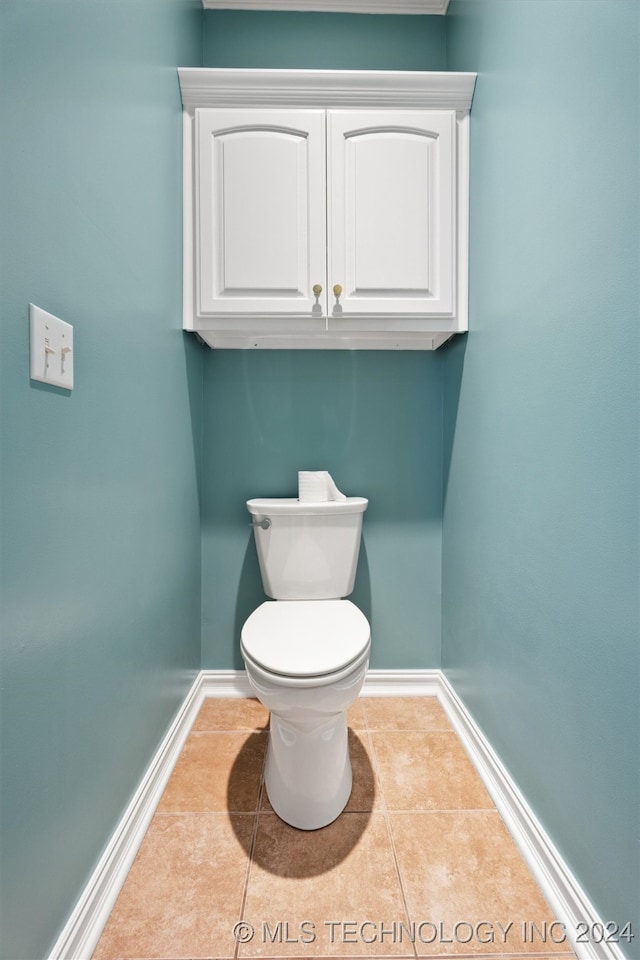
(563, 892)
(378, 683)
(225, 683)
(401, 683)
(81, 933)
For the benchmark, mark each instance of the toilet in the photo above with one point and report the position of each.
(306, 651)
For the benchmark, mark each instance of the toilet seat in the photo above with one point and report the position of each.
(305, 638)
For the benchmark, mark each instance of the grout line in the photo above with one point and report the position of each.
(387, 821)
(548, 955)
(429, 810)
(544, 955)
(384, 731)
(254, 834)
(426, 731)
(206, 813)
(225, 733)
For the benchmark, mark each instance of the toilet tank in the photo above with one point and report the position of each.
(307, 551)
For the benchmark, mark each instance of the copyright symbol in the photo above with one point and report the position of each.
(242, 931)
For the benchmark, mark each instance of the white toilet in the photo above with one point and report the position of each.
(306, 655)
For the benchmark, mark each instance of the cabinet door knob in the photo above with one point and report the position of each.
(316, 309)
(337, 307)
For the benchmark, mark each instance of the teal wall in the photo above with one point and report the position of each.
(540, 571)
(373, 419)
(100, 525)
(329, 41)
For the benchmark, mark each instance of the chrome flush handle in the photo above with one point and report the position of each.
(264, 524)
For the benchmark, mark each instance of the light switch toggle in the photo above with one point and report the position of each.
(63, 354)
(51, 348)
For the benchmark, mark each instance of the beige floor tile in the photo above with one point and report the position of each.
(342, 874)
(405, 713)
(216, 772)
(465, 880)
(458, 863)
(183, 892)
(427, 771)
(218, 714)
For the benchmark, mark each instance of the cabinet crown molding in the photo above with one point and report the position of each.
(231, 87)
(333, 6)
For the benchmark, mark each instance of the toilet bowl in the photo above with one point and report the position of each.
(308, 688)
(306, 656)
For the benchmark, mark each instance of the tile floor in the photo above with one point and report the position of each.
(419, 864)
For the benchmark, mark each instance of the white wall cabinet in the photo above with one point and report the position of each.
(300, 180)
(391, 209)
(260, 205)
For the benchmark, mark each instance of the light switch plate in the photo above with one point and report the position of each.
(51, 348)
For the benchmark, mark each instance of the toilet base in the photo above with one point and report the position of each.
(308, 770)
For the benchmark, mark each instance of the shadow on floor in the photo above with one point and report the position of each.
(283, 850)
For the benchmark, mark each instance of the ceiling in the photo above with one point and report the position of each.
(334, 6)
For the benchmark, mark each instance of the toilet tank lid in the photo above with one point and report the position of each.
(284, 506)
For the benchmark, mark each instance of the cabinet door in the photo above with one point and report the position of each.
(391, 216)
(260, 212)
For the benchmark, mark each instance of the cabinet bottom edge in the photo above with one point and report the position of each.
(224, 341)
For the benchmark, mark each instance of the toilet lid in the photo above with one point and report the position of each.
(305, 638)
